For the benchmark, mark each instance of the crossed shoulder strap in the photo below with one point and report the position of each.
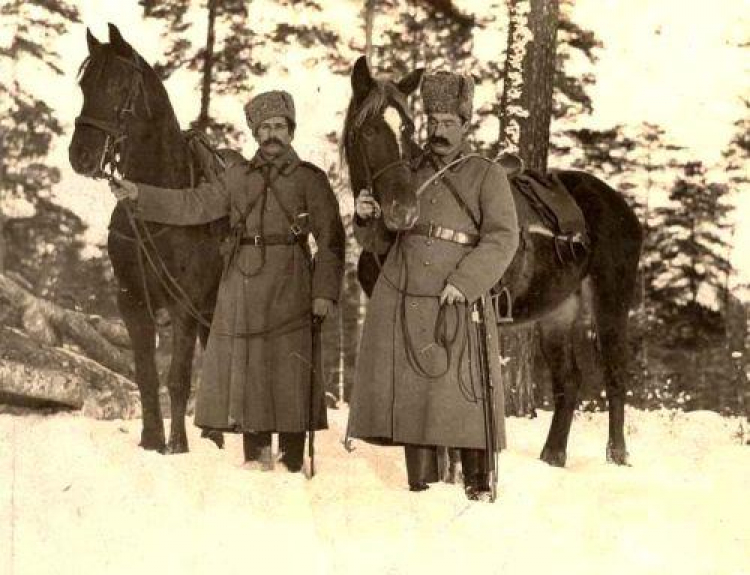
(456, 195)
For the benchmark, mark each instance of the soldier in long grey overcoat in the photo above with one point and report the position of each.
(416, 384)
(257, 368)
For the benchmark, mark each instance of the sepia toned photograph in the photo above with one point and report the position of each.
(374, 287)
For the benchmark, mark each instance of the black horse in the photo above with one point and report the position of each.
(541, 287)
(128, 123)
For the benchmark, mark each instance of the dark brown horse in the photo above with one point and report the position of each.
(128, 123)
(541, 287)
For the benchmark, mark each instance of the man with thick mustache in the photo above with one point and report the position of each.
(417, 380)
(258, 366)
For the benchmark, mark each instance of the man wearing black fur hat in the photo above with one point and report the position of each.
(415, 387)
(258, 368)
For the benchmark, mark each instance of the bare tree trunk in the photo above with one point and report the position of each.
(369, 22)
(203, 117)
(526, 102)
(525, 117)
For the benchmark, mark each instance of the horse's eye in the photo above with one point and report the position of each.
(368, 131)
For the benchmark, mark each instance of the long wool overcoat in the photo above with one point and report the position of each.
(397, 399)
(254, 382)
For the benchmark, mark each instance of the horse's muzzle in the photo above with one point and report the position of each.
(82, 159)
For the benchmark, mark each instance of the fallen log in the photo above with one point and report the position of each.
(36, 375)
(50, 325)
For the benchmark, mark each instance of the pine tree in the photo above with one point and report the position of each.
(235, 49)
(29, 125)
(690, 272)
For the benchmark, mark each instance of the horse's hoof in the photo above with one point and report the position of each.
(216, 436)
(555, 458)
(153, 445)
(176, 447)
(617, 455)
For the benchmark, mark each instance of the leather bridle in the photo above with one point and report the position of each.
(370, 177)
(116, 132)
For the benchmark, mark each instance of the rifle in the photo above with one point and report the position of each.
(478, 317)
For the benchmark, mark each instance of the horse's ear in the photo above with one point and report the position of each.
(410, 82)
(118, 42)
(362, 81)
(92, 41)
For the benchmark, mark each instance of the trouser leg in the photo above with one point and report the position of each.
(257, 447)
(292, 447)
(421, 466)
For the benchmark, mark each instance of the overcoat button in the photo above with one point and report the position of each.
(433, 201)
(426, 263)
(429, 242)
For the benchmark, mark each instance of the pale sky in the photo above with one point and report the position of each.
(671, 62)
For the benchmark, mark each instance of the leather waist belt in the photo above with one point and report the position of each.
(441, 233)
(269, 240)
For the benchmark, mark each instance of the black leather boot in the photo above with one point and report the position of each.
(292, 448)
(257, 448)
(421, 466)
(476, 476)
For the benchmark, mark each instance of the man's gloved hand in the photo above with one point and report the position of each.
(322, 307)
(123, 189)
(451, 294)
(366, 206)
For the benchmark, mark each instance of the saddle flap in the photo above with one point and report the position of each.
(552, 202)
(210, 162)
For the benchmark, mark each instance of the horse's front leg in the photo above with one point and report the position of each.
(184, 330)
(211, 434)
(142, 335)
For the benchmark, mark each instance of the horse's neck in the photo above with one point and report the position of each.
(158, 155)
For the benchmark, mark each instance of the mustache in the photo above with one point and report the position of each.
(272, 141)
(439, 140)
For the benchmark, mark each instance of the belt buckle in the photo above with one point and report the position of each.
(257, 240)
(431, 230)
(296, 229)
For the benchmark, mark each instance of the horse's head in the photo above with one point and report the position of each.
(116, 104)
(378, 143)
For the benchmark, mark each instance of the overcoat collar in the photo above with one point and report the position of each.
(285, 163)
(424, 158)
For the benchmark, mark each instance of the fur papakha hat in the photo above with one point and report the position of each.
(448, 93)
(270, 105)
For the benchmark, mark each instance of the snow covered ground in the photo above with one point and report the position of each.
(77, 497)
